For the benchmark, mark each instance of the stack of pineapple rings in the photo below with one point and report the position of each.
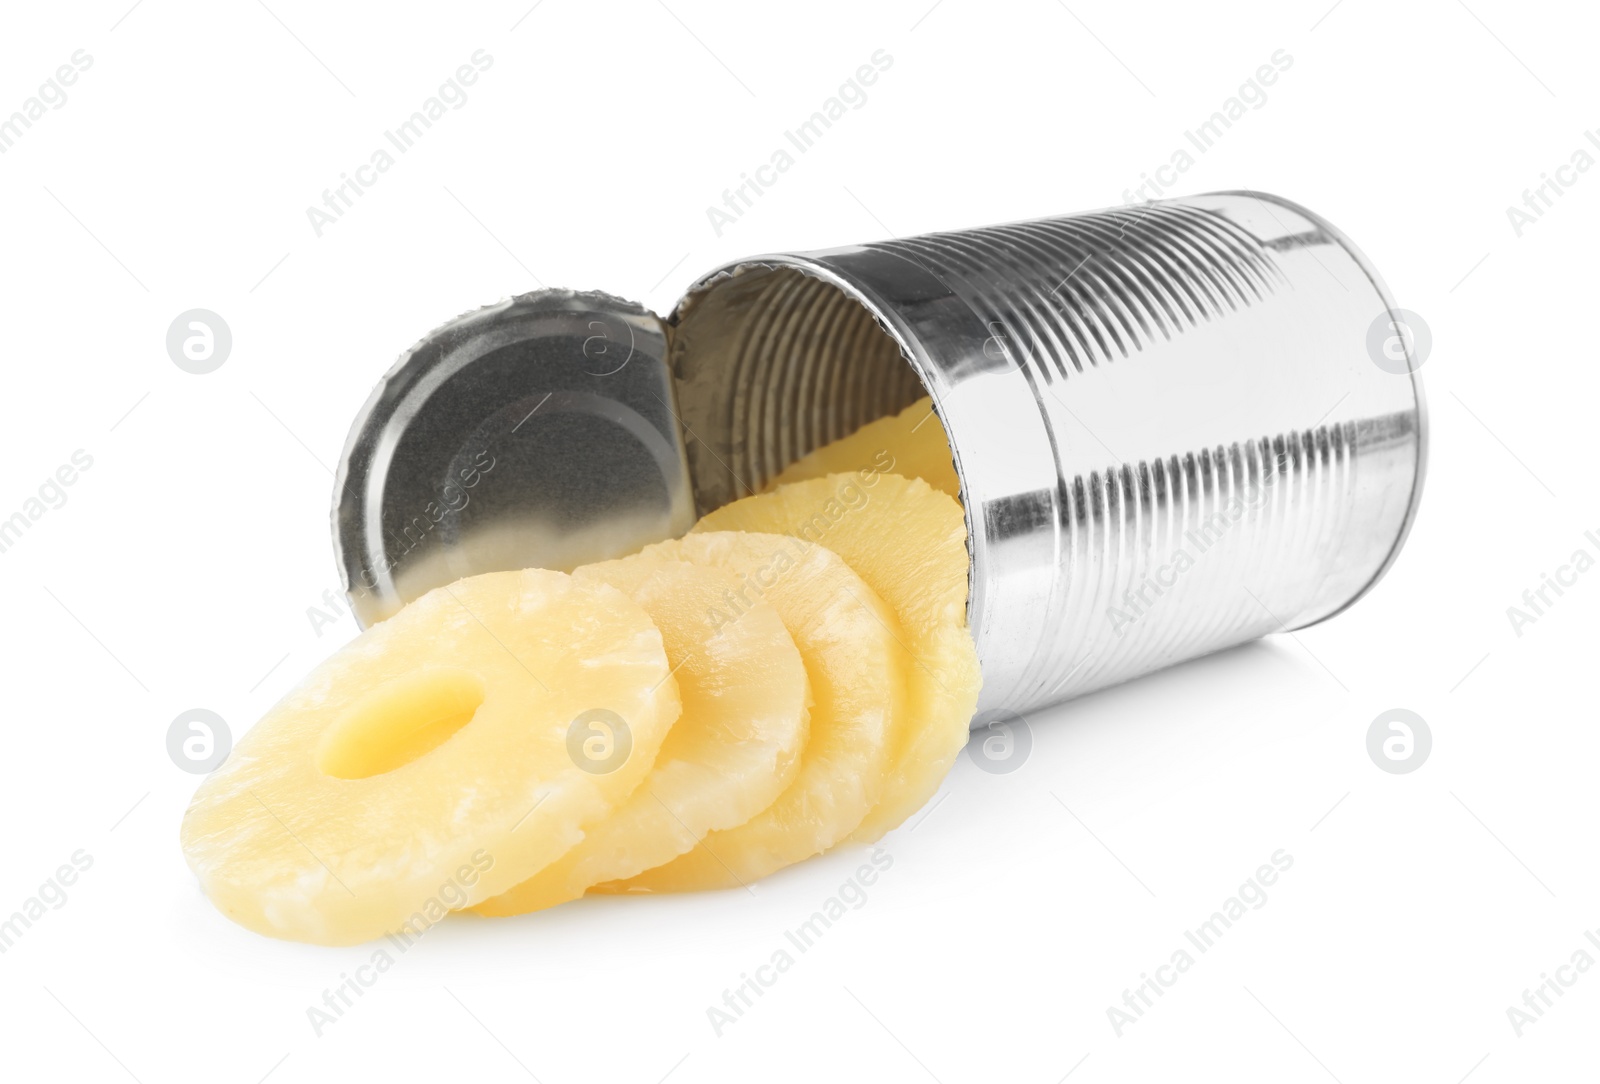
(794, 673)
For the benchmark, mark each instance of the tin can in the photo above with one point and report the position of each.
(1171, 432)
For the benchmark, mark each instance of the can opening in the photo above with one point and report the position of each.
(770, 364)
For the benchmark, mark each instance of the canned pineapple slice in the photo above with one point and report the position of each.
(908, 541)
(430, 764)
(735, 748)
(850, 643)
(911, 443)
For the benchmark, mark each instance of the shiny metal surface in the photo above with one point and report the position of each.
(534, 432)
(1169, 432)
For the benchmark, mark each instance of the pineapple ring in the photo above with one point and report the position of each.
(912, 443)
(849, 641)
(909, 542)
(735, 748)
(315, 830)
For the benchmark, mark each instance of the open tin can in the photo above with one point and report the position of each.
(1171, 430)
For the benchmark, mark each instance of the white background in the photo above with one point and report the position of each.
(179, 572)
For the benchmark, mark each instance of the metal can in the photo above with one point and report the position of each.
(1171, 433)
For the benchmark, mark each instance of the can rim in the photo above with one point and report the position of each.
(814, 265)
(1412, 365)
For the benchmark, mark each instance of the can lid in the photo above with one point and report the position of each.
(536, 432)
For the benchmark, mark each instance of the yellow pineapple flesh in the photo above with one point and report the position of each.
(907, 540)
(849, 641)
(428, 765)
(911, 443)
(734, 749)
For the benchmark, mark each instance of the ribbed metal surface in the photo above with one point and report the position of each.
(1088, 290)
(809, 344)
(1169, 434)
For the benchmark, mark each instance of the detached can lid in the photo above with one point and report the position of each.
(537, 432)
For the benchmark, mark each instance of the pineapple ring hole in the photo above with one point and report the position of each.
(398, 721)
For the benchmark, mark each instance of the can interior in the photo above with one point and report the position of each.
(771, 363)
